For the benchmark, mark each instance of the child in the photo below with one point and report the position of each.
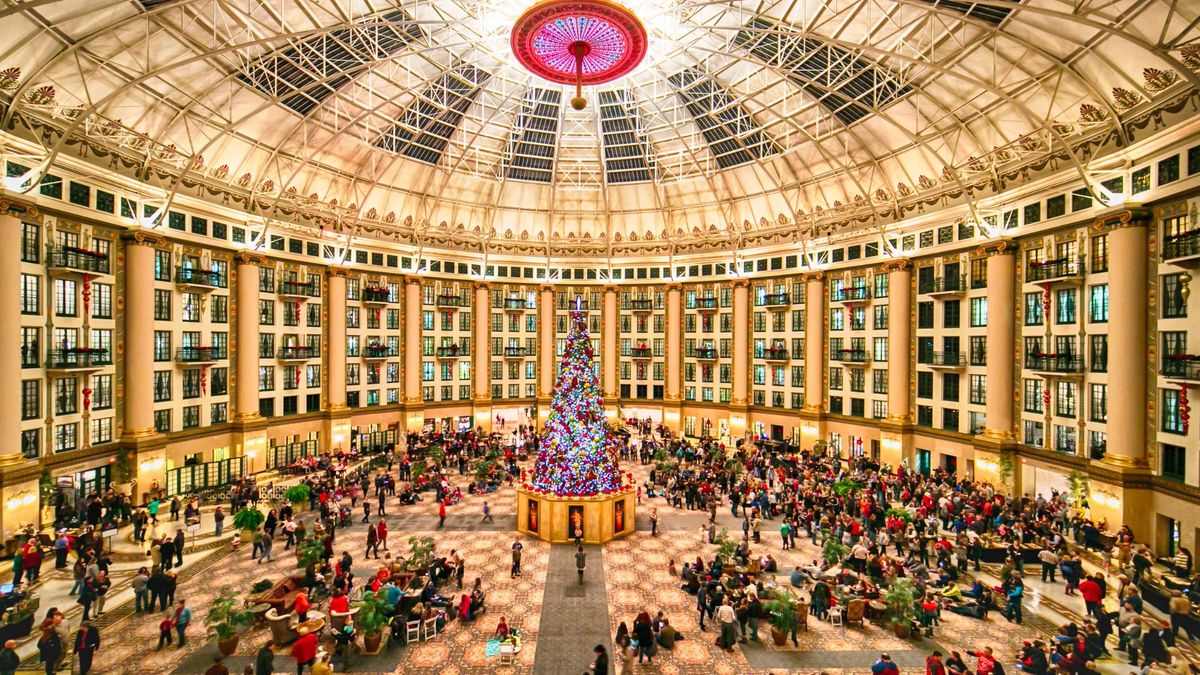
(236, 541)
(164, 629)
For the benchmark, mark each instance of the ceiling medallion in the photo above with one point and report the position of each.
(579, 42)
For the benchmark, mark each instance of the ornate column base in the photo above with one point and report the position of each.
(1123, 463)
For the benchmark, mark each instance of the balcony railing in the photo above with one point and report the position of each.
(780, 354)
(516, 304)
(297, 353)
(75, 259)
(379, 351)
(78, 357)
(451, 301)
(706, 303)
(945, 286)
(194, 276)
(642, 352)
(376, 295)
(1182, 245)
(297, 289)
(453, 352)
(1059, 268)
(850, 355)
(852, 294)
(777, 300)
(1181, 366)
(199, 354)
(1054, 363)
(942, 359)
(706, 353)
(641, 305)
(515, 352)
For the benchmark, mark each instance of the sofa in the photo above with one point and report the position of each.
(281, 596)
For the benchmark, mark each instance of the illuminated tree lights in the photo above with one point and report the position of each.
(577, 456)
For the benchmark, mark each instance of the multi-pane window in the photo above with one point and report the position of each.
(1098, 303)
(31, 399)
(31, 242)
(1174, 461)
(924, 315)
(102, 431)
(102, 392)
(951, 312)
(66, 396)
(64, 297)
(1098, 405)
(1033, 309)
(1172, 421)
(1174, 306)
(191, 383)
(266, 378)
(1099, 253)
(162, 304)
(30, 341)
(1065, 399)
(266, 312)
(102, 301)
(162, 265)
(950, 387)
(66, 437)
(162, 385)
(31, 291)
(1098, 345)
(978, 385)
(219, 308)
(978, 312)
(191, 307)
(162, 345)
(162, 421)
(1033, 395)
(1065, 305)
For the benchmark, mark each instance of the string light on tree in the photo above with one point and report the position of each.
(577, 457)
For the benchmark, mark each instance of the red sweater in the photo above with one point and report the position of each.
(305, 648)
(1090, 590)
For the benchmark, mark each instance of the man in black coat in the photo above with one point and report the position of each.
(264, 662)
(87, 642)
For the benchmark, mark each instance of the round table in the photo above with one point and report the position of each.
(259, 611)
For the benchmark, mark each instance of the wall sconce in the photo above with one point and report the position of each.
(24, 497)
(1106, 498)
(891, 443)
(986, 465)
(808, 430)
(152, 464)
(251, 454)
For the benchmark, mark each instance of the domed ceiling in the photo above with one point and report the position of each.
(746, 123)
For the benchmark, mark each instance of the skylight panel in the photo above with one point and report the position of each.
(848, 86)
(292, 74)
(627, 157)
(424, 129)
(989, 13)
(731, 133)
(535, 136)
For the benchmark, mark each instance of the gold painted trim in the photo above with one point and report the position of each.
(896, 265)
(143, 238)
(997, 247)
(1130, 217)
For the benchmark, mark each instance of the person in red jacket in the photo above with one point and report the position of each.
(934, 665)
(1093, 596)
(304, 650)
(302, 606)
(382, 533)
(441, 514)
(339, 603)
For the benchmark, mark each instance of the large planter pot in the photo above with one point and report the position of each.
(227, 647)
(902, 629)
(373, 642)
(778, 637)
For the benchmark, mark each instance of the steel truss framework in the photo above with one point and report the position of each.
(384, 118)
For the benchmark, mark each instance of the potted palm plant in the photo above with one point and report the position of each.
(371, 620)
(901, 598)
(310, 552)
(833, 551)
(298, 495)
(781, 610)
(420, 555)
(226, 620)
(248, 520)
(726, 547)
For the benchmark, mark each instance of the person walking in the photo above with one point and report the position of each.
(516, 560)
(382, 532)
(9, 660)
(183, 617)
(141, 591)
(164, 630)
(600, 665)
(580, 562)
(1180, 609)
(644, 632)
(87, 643)
(219, 522)
(372, 543)
(304, 651)
(441, 513)
(179, 540)
(50, 647)
(487, 513)
(266, 548)
(264, 661)
(654, 522)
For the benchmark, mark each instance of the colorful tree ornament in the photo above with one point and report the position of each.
(577, 456)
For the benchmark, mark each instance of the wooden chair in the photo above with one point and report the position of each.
(412, 631)
(508, 655)
(855, 610)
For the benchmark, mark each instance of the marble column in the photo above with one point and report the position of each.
(1127, 336)
(674, 343)
(546, 346)
(899, 338)
(335, 365)
(1001, 299)
(10, 337)
(740, 392)
(246, 353)
(814, 341)
(138, 356)
(412, 341)
(611, 356)
(481, 360)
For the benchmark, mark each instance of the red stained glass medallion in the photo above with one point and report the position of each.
(579, 41)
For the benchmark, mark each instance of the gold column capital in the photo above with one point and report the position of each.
(896, 265)
(482, 285)
(141, 237)
(410, 280)
(741, 283)
(1132, 216)
(815, 275)
(546, 288)
(611, 288)
(335, 271)
(251, 258)
(674, 286)
(18, 209)
(997, 247)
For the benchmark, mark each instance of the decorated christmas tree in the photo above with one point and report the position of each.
(577, 457)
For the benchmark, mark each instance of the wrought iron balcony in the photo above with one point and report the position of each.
(515, 352)
(707, 303)
(1064, 364)
(641, 305)
(946, 286)
(194, 276)
(453, 352)
(1059, 269)
(377, 352)
(297, 353)
(1181, 367)
(199, 354)
(852, 294)
(516, 304)
(376, 295)
(776, 354)
(942, 359)
(77, 260)
(296, 289)
(851, 355)
(779, 300)
(1182, 247)
(78, 358)
(642, 352)
(705, 353)
(451, 301)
